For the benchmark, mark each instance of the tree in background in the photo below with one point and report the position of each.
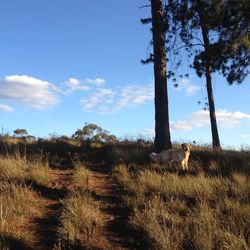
(94, 133)
(162, 129)
(20, 132)
(215, 34)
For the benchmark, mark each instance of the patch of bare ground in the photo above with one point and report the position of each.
(117, 233)
(46, 225)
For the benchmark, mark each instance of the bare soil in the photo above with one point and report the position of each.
(117, 234)
(107, 192)
(46, 225)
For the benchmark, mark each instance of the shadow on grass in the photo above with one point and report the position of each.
(9, 242)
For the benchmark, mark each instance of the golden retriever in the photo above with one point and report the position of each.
(177, 155)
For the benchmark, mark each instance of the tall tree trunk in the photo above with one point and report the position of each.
(213, 122)
(162, 130)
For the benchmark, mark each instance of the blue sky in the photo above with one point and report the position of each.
(67, 62)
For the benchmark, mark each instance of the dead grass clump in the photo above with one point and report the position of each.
(18, 204)
(18, 169)
(163, 228)
(187, 211)
(81, 176)
(81, 222)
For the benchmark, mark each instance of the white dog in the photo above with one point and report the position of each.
(178, 155)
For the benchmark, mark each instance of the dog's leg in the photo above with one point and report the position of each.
(183, 165)
(171, 161)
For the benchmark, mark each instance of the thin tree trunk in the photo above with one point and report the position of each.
(162, 130)
(213, 122)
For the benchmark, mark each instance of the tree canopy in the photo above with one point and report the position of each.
(92, 132)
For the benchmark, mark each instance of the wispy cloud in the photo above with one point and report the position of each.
(186, 85)
(200, 119)
(97, 81)
(106, 100)
(134, 95)
(102, 96)
(28, 90)
(6, 108)
(225, 119)
(72, 85)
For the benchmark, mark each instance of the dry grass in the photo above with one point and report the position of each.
(201, 209)
(18, 204)
(81, 175)
(19, 169)
(81, 222)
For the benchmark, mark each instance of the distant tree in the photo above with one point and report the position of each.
(20, 132)
(92, 132)
(158, 57)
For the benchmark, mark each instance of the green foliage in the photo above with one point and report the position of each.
(20, 132)
(94, 133)
(227, 25)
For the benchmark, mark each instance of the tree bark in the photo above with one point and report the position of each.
(212, 115)
(162, 129)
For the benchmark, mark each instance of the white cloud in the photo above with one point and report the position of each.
(228, 119)
(147, 132)
(102, 96)
(97, 81)
(225, 119)
(6, 108)
(28, 90)
(106, 100)
(73, 85)
(184, 84)
(134, 95)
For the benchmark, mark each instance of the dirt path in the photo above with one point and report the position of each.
(107, 192)
(47, 224)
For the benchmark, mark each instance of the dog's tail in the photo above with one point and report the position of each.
(153, 157)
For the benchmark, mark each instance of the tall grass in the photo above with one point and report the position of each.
(194, 211)
(81, 175)
(18, 204)
(20, 169)
(81, 222)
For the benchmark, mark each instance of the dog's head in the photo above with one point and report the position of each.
(186, 147)
(153, 157)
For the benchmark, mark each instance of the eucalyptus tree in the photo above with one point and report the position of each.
(20, 132)
(94, 133)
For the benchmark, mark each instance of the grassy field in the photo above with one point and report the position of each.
(206, 207)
